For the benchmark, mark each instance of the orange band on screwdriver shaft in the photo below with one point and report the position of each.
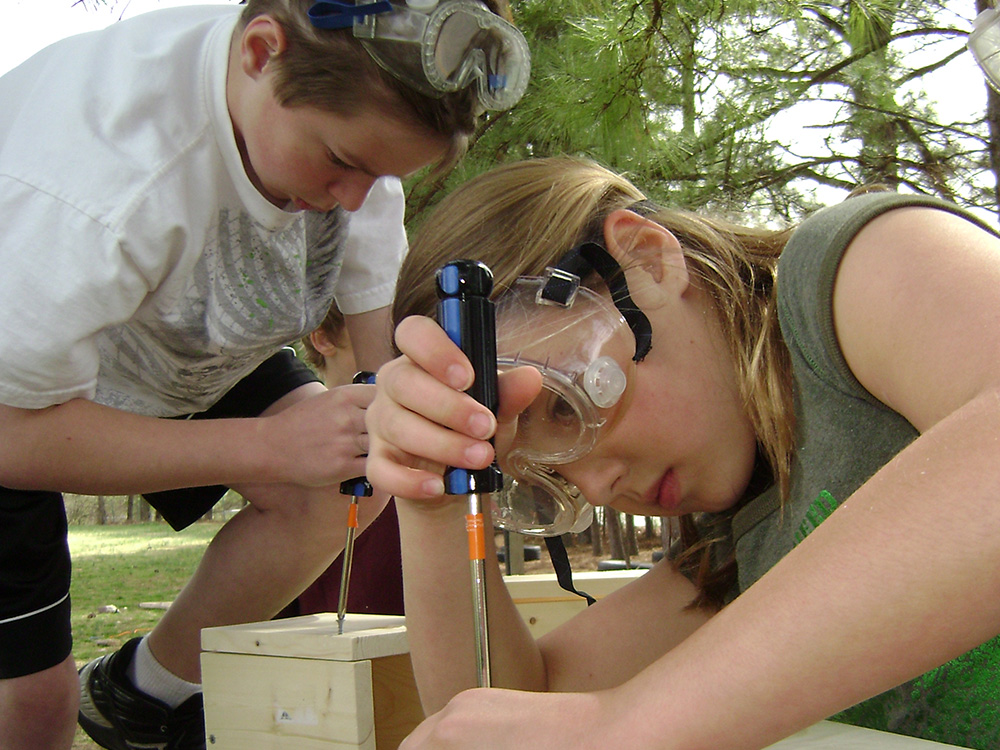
(352, 516)
(477, 537)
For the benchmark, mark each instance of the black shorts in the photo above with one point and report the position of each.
(34, 554)
(278, 376)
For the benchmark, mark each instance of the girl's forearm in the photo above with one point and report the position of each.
(900, 579)
(439, 610)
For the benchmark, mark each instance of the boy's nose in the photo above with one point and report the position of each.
(351, 191)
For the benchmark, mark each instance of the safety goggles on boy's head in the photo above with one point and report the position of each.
(437, 47)
(586, 348)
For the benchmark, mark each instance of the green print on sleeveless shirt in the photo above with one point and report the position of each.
(957, 703)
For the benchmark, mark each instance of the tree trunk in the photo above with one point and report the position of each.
(650, 528)
(631, 543)
(669, 533)
(618, 549)
(596, 531)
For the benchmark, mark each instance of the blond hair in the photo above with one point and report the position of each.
(521, 217)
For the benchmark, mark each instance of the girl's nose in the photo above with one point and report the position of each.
(593, 477)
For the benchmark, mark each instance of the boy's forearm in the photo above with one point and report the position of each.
(83, 447)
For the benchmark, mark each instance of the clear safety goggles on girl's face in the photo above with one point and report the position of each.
(437, 47)
(586, 351)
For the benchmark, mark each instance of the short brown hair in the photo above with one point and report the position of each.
(335, 327)
(330, 70)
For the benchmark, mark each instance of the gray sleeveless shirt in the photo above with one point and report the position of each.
(844, 436)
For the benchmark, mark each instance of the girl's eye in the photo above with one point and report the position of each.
(560, 411)
(546, 417)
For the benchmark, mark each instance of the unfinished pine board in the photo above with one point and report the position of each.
(296, 683)
(830, 735)
(544, 605)
(313, 637)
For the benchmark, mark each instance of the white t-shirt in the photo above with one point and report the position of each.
(139, 266)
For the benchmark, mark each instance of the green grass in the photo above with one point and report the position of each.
(123, 566)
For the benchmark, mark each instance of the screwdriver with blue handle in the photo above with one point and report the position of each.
(467, 314)
(357, 487)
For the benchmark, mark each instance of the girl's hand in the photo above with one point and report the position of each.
(513, 720)
(421, 421)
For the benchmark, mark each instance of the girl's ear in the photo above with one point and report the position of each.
(650, 255)
(262, 39)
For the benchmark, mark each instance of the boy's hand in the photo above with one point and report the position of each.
(421, 421)
(322, 439)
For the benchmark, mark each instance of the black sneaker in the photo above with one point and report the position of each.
(117, 716)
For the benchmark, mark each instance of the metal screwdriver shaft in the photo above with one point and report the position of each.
(357, 487)
(467, 315)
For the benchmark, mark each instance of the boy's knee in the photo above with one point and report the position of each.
(304, 507)
(40, 709)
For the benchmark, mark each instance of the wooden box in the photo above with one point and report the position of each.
(296, 683)
(544, 605)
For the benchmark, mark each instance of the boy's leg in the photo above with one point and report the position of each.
(256, 564)
(253, 566)
(38, 687)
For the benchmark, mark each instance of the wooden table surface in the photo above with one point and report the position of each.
(829, 735)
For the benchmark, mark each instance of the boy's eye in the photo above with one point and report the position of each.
(336, 160)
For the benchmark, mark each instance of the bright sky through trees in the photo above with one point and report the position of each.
(957, 88)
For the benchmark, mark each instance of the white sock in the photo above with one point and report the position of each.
(152, 678)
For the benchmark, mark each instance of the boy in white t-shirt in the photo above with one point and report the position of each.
(182, 194)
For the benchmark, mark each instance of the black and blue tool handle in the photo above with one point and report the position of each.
(468, 316)
(359, 486)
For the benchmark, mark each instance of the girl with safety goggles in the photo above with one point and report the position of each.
(827, 431)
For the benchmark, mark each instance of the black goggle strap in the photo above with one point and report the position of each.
(560, 288)
(590, 256)
(561, 566)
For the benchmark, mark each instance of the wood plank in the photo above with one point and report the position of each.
(313, 637)
(544, 605)
(282, 697)
(831, 735)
